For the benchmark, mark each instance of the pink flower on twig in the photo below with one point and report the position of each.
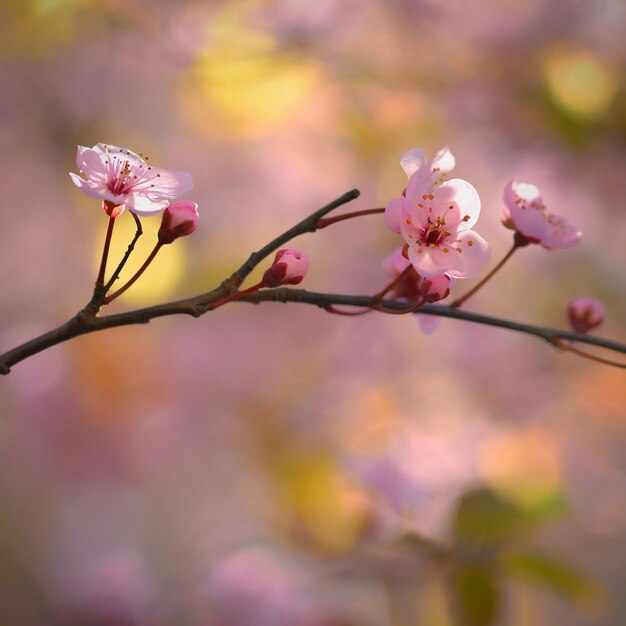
(124, 179)
(435, 220)
(525, 212)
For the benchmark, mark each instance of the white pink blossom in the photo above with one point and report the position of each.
(123, 179)
(179, 220)
(289, 268)
(436, 219)
(585, 313)
(525, 212)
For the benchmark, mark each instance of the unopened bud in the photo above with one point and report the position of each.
(289, 268)
(179, 219)
(435, 288)
(585, 314)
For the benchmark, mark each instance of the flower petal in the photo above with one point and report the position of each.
(86, 186)
(462, 194)
(143, 204)
(560, 233)
(514, 192)
(395, 263)
(393, 214)
(171, 184)
(412, 160)
(90, 164)
(431, 261)
(443, 162)
(428, 323)
(469, 255)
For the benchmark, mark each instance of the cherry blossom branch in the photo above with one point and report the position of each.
(197, 306)
(87, 321)
(324, 300)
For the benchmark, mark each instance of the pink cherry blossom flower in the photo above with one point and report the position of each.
(179, 220)
(122, 178)
(289, 268)
(585, 313)
(525, 212)
(436, 225)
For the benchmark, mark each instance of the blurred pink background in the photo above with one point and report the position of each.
(226, 470)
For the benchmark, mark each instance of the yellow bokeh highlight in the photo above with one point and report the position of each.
(580, 82)
(163, 274)
(522, 467)
(323, 505)
(243, 81)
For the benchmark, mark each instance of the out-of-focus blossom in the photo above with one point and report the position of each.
(289, 268)
(585, 313)
(179, 220)
(525, 212)
(110, 589)
(123, 179)
(418, 477)
(254, 586)
(435, 221)
(430, 172)
(414, 287)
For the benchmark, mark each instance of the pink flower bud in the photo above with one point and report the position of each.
(585, 314)
(179, 219)
(435, 288)
(289, 268)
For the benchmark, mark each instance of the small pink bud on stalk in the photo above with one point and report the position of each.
(435, 288)
(289, 268)
(585, 313)
(179, 220)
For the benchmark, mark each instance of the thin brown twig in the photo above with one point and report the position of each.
(129, 250)
(327, 221)
(196, 306)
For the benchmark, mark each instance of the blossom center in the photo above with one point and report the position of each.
(125, 172)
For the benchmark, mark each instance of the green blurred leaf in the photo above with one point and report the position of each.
(485, 517)
(556, 576)
(477, 595)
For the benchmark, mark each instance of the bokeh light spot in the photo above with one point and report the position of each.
(580, 83)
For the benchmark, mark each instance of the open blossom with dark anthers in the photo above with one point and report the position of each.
(123, 179)
(585, 313)
(179, 220)
(525, 212)
(436, 225)
(289, 268)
